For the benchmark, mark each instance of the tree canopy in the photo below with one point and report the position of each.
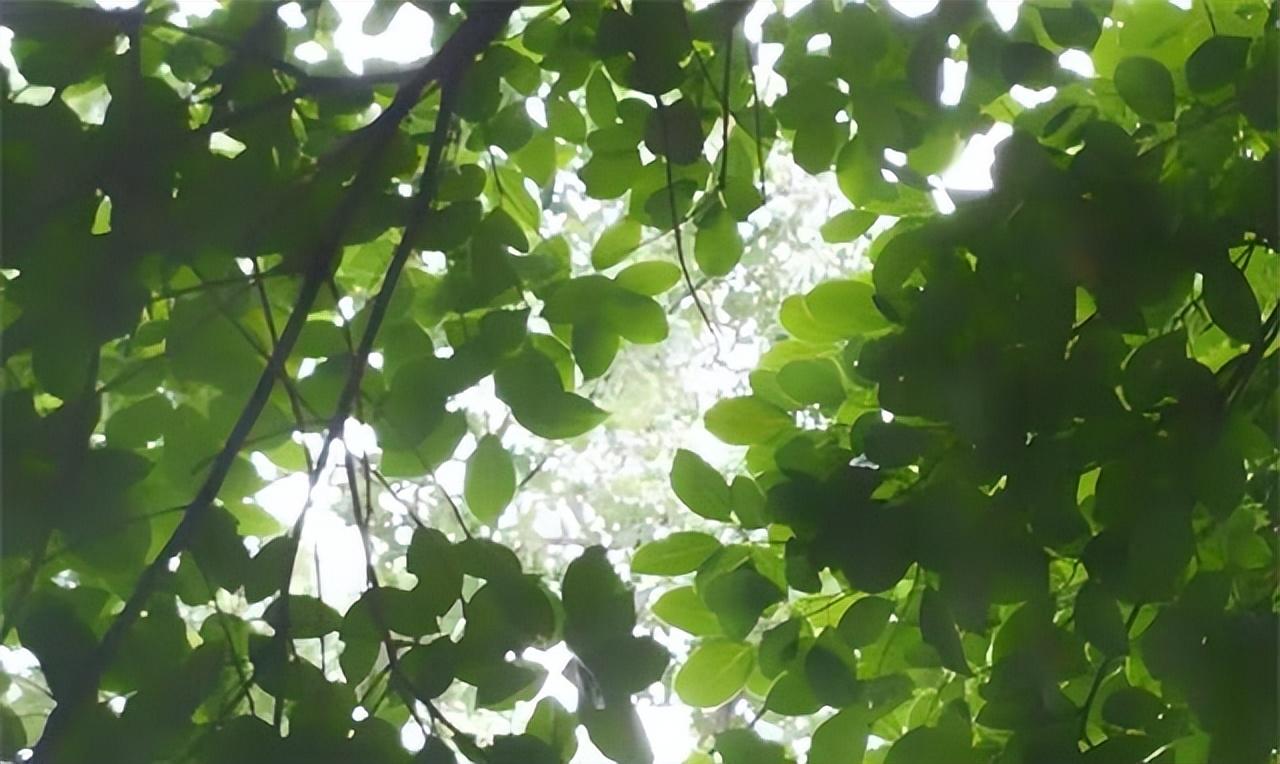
(1009, 487)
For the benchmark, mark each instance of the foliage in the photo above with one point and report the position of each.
(1009, 497)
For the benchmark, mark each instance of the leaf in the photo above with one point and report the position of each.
(681, 552)
(842, 739)
(491, 480)
(616, 731)
(13, 737)
(739, 597)
(529, 383)
(594, 348)
(500, 685)
(1025, 63)
(831, 670)
(717, 246)
(1097, 618)
(847, 226)
(864, 621)
(746, 421)
(1231, 302)
(602, 104)
(616, 243)
(430, 668)
(812, 381)
(565, 121)
(308, 617)
(675, 132)
(699, 486)
(779, 647)
(744, 746)
(714, 672)
(929, 745)
(1147, 88)
(845, 307)
(682, 608)
(649, 278)
(939, 630)
(555, 726)
(1216, 62)
(1073, 27)
(1133, 708)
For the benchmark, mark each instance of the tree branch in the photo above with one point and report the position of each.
(453, 58)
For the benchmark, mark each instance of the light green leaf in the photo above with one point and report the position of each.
(714, 672)
(717, 245)
(746, 421)
(491, 480)
(681, 552)
(682, 608)
(649, 278)
(847, 226)
(700, 486)
(617, 241)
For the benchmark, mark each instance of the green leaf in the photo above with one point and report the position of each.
(681, 552)
(555, 726)
(780, 646)
(746, 421)
(717, 245)
(831, 670)
(1216, 62)
(1147, 88)
(746, 747)
(865, 620)
(510, 128)
(847, 226)
(929, 745)
(616, 731)
(1025, 63)
(683, 608)
(812, 381)
(500, 685)
(491, 480)
(842, 739)
(1133, 708)
(1097, 618)
(739, 597)
(616, 243)
(594, 348)
(699, 486)
(529, 383)
(714, 672)
(602, 104)
(815, 144)
(1073, 27)
(649, 278)
(939, 630)
(565, 121)
(845, 307)
(308, 617)
(429, 669)
(1231, 302)
(675, 132)
(13, 737)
